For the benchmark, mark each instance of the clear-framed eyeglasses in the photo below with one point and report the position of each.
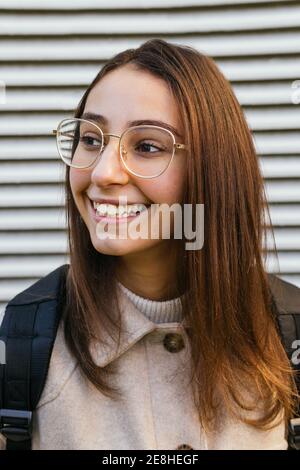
(146, 151)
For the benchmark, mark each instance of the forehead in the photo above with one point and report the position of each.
(129, 94)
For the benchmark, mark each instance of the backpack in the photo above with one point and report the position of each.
(28, 332)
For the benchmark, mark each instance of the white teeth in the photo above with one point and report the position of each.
(120, 210)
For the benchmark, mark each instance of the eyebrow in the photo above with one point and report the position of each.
(102, 120)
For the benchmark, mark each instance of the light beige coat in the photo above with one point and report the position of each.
(156, 410)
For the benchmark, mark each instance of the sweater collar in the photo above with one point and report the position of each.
(165, 311)
(135, 326)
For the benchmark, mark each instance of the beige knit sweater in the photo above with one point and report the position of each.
(156, 410)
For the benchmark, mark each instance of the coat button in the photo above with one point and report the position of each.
(184, 447)
(173, 342)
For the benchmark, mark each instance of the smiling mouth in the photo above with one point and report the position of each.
(112, 211)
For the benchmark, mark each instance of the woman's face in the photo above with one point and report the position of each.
(123, 95)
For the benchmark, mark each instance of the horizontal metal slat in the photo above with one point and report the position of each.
(49, 74)
(274, 68)
(283, 191)
(33, 124)
(288, 262)
(265, 94)
(277, 143)
(26, 243)
(49, 5)
(284, 214)
(54, 172)
(30, 266)
(273, 118)
(46, 195)
(32, 196)
(248, 69)
(42, 148)
(31, 147)
(33, 243)
(68, 49)
(32, 172)
(280, 167)
(42, 124)
(67, 100)
(55, 218)
(285, 239)
(43, 100)
(197, 21)
(33, 219)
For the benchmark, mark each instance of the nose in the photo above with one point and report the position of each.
(109, 169)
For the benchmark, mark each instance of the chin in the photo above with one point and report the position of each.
(122, 247)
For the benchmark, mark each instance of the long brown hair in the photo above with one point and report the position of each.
(235, 345)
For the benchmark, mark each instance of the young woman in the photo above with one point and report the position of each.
(160, 346)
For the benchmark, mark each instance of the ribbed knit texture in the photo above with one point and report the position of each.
(165, 311)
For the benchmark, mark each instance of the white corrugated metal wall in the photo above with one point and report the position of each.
(51, 50)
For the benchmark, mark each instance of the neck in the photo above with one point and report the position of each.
(152, 273)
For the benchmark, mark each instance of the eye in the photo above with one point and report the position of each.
(145, 147)
(90, 141)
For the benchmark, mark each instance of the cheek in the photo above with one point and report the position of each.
(166, 188)
(79, 180)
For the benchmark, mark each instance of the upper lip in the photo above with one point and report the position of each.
(114, 201)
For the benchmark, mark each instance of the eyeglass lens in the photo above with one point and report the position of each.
(146, 151)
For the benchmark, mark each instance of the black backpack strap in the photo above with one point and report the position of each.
(286, 306)
(28, 331)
